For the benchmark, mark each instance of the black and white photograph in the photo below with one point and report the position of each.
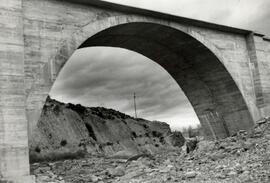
(134, 91)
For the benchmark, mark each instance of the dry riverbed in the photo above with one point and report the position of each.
(242, 158)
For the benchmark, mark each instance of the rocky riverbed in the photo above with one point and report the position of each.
(244, 157)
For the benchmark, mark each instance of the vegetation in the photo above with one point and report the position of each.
(63, 143)
(134, 135)
(37, 149)
(145, 126)
(78, 108)
(109, 144)
(162, 140)
(156, 134)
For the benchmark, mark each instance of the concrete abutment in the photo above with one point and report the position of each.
(14, 156)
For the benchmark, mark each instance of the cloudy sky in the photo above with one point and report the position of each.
(108, 77)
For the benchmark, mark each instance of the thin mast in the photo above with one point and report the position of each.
(135, 109)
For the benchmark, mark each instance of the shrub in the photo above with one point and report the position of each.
(56, 109)
(37, 149)
(161, 140)
(156, 134)
(134, 134)
(109, 143)
(78, 108)
(145, 126)
(63, 143)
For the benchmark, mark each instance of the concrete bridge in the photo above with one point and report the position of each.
(223, 71)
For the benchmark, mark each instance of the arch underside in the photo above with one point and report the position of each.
(207, 84)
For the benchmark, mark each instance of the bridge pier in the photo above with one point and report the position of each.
(14, 155)
(258, 50)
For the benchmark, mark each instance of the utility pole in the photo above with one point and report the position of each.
(135, 110)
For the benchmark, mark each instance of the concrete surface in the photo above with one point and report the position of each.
(223, 71)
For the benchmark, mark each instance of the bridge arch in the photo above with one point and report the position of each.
(194, 63)
(66, 47)
(223, 70)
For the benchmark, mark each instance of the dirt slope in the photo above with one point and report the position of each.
(65, 128)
